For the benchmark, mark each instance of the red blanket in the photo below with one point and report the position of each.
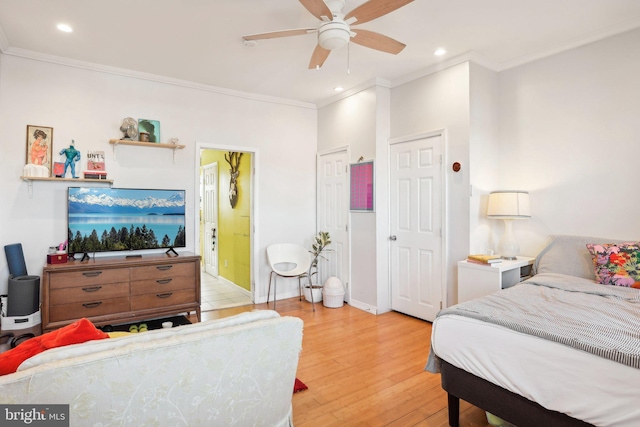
(75, 333)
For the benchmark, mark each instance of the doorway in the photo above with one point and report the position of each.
(333, 214)
(225, 239)
(416, 225)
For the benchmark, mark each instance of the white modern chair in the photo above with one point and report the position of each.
(288, 260)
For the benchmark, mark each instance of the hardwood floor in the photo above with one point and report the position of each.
(364, 370)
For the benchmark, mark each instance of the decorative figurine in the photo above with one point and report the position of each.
(73, 156)
(234, 162)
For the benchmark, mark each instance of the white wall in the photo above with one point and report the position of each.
(570, 134)
(353, 121)
(484, 156)
(88, 106)
(441, 101)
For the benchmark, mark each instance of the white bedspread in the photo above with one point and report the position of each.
(560, 378)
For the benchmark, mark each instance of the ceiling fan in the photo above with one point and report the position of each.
(334, 32)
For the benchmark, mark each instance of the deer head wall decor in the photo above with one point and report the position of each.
(234, 162)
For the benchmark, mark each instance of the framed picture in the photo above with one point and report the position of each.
(40, 146)
(149, 129)
(361, 194)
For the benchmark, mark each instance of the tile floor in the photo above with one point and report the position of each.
(216, 294)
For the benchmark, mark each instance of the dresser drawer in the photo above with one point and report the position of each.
(165, 284)
(80, 279)
(161, 271)
(162, 299)
(89, 309)
(60, 296)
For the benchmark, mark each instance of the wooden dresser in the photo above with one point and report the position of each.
(112, 290)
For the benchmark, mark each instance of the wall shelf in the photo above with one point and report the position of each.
(30, 180)
(116, 142)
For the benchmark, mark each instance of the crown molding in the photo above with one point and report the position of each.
(354, 90)
(469, 56)
(572, 44)
(27, 54)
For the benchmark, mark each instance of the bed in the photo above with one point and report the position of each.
(559, 349)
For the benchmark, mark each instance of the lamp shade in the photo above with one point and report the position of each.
(509, 205)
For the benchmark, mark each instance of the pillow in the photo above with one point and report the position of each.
(616, 264)
(78, 332)
(566, 254)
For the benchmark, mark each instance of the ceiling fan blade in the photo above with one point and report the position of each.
(374, 9)
(377, 41)
(320, 55)
(276, 34)
(318, 8)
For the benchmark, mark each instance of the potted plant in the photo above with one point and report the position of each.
(321, 241)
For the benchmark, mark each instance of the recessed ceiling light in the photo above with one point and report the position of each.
(338, 88)
(64, 27)
(440, 51)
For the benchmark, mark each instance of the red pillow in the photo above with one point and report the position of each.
(75, 333)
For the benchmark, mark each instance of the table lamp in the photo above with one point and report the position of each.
(509, 205)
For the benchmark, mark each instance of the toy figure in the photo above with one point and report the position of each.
(73, 156)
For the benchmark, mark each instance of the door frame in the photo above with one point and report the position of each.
(319, 155)
(443, 203)
(253, 196)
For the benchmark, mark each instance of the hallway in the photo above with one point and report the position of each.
(216, 294)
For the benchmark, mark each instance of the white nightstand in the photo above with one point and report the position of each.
(476, 280)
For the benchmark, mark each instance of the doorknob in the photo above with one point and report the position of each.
(393, 238)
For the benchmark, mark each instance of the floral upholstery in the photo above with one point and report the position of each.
(203, 374)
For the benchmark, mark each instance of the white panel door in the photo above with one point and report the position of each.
(416, 226)
(333, 211)
(210, 214)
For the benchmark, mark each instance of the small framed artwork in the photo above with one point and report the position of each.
(149, 130)
(40, 146)
(361, 194)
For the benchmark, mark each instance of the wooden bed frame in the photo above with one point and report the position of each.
(460, 384)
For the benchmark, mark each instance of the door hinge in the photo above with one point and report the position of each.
(440, 305)
(346, 227)
(441, 159)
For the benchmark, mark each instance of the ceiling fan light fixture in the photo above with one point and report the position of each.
(334, 35)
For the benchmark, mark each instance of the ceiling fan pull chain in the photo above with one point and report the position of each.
(348, 58)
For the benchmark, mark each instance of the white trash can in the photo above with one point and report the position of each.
(333, 293)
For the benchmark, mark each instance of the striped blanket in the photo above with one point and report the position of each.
(602, 320)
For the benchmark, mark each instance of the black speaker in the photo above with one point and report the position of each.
(24, 295)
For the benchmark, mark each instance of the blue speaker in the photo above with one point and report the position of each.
(15, 260)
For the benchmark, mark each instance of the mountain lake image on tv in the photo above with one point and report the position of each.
(124, 219)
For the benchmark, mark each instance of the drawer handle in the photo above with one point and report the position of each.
(164, 267)
(167, 295)
(92, 304)
(93, 289)
(163, 281)
(92, 273)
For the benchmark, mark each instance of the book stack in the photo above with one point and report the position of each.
(484, 259)
(95, 165)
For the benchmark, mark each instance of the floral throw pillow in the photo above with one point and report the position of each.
(616, 264)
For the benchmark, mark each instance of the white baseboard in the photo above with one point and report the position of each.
(364, 307)
(238, 288)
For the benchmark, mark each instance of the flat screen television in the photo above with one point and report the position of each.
(124, 219)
